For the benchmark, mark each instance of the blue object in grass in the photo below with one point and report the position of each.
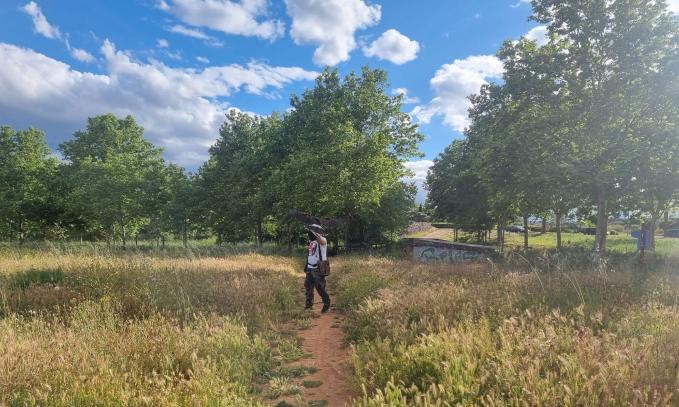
(643, 238)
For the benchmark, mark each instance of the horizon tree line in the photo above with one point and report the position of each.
(339, 152)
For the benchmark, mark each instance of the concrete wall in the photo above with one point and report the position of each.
(429, 254)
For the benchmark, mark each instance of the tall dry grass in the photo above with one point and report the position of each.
(98, 357)
(152, 328)
(143, 329)
(530, 331)
(257, 288)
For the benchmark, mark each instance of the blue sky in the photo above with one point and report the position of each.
(178, 65)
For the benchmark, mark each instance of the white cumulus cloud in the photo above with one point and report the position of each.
(245, 17)
(407, 99)
(40, 23)
(538, 34)
(181, 109)
(394, 47)
(420, 169)
(452, 84)
(162, 43)
(189, 32)
(202, 60)
(82, 55)
(520, 3)
(161, 4)
(195, 33)
(331, 25)
(43, 27)
(673, 6)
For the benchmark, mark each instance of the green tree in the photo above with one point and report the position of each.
(494, 155)
(235, 178)
(113, 173)
(388, 220)
(346, 142)
(544, 170)
(455, 190)
(181, 209)
(612, 52)
(27, 173)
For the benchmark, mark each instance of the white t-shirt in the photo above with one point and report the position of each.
(312, 257)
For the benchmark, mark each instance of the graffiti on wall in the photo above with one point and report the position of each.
(434, 254)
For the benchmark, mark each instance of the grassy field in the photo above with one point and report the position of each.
(615, 243)
(192, 328)
(584, 333)
(143, 329)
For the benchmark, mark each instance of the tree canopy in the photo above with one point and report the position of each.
(337, 153)
(588, 120)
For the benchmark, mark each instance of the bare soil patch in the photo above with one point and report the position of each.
(328, 354)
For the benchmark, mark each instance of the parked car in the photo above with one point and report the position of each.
(672, 233)
(515, 229)
(588, 231)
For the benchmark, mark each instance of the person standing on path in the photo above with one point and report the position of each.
(317, 250)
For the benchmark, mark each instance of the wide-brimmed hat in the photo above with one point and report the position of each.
(315, 228)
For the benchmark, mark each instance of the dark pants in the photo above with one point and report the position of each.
(315, 280)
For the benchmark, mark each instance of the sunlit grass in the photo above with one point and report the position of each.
(152, 328)
(621, 243)
(566, 329)
(615, 243)
(421, 233)
(142, 328)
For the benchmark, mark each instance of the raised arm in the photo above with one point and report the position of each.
(320, 239)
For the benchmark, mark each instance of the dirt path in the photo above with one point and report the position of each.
(329, 356)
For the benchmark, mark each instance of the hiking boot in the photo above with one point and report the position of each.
(325, 308)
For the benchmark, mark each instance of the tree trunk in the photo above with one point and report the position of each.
(290, 238)
(109, 238)
(654, 223)
(601, 223)
(347, 234)
(136, 240)
(162, 239)
(525, 232)
(501, 236)
(258, 228)
(557, 221)
(124, 236)
(544, 225)
(185, 238)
